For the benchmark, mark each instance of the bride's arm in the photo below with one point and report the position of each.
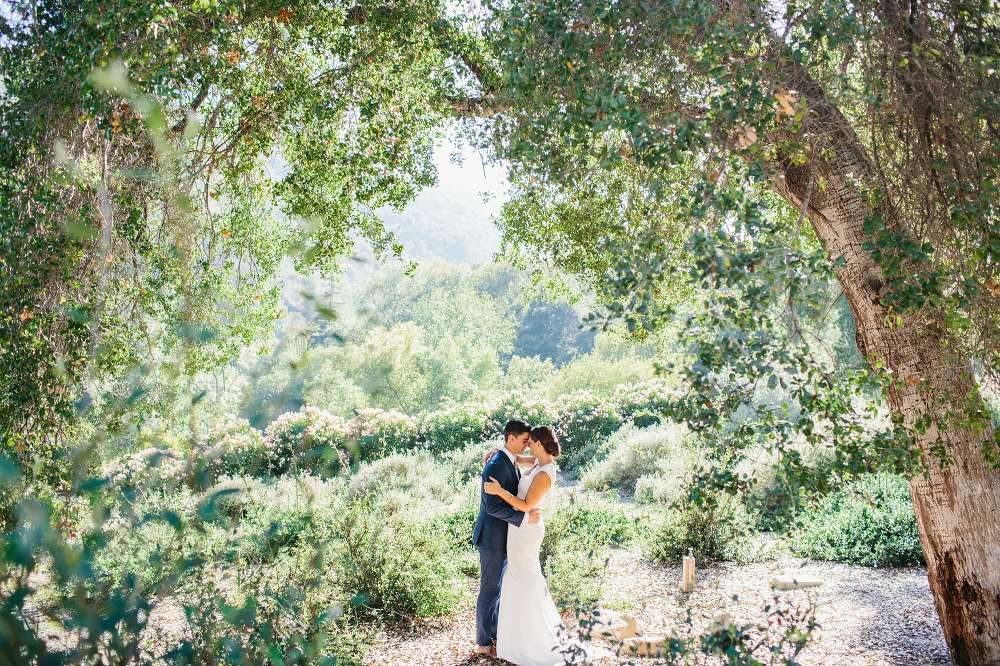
(523, 461)
(539, 485)
(526, 461)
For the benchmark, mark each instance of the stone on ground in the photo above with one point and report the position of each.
(612, 625)
(653, 646)
(795, 582)
(720, 622)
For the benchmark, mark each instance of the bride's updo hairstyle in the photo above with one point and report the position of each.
(546, 436)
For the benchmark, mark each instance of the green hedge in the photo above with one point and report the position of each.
(870, 521)
(313, 440)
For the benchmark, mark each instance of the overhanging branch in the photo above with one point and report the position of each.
(477, 107)
(181, 124)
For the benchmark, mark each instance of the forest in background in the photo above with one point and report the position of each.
(450, 322)
(448, 335)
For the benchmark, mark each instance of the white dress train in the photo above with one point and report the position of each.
(528, 621)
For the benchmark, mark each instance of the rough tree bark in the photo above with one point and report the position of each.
(958, 506)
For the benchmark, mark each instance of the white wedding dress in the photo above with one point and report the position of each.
(528, 621)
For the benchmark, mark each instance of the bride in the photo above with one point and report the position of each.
(528, 621)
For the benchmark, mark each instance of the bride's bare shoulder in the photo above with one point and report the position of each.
(536, 477)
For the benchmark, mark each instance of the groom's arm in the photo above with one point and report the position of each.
(495, 506)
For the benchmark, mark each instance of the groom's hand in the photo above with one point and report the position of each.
(534, 516)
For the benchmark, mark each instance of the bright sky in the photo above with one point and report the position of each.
(453, 219)
(472, 174)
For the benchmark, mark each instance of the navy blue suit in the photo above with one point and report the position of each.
(490, 537)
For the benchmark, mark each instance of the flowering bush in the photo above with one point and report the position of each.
(583, 417)
(307, 440)
(451, 429)
(515, 406)
(645, 402)
(376, 433)
(233, 448)
(312, 439)
(149, 468)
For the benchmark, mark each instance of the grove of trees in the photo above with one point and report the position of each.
(448, 335)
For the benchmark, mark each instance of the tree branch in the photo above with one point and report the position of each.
(478, 70)
(477, 107)
(181, 124)
(359, 15)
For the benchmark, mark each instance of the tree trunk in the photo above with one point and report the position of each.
(957, 507)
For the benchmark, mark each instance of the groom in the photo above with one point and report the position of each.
(490, 533)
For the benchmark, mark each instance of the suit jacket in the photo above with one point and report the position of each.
(490, 531)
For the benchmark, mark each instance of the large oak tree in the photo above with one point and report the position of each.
(875, 122)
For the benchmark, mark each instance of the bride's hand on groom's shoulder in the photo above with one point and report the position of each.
(489, 455)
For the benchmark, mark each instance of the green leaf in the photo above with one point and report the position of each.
(81, 231)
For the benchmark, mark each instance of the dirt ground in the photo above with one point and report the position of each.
(869, 617)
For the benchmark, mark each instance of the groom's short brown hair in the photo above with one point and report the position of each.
(515, 427)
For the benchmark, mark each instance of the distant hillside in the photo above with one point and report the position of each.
(450, 221)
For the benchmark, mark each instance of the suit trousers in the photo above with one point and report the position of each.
(491, 567)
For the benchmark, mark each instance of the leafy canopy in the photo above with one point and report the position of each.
(650, 142)
(158, 162)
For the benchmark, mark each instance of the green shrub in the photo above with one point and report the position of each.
(516, 406)
(719, 529)
(290, 618)
(633, 453)
(570, 514)
(146, 469)
(772, 489)
(453, 429)
(262, 542)
(393, 567)
(228, 500)
(459, 519)
(308, 440)
(10, 495)
(136, 543)
(606, 522)
(663, 487)
(578, 533)
(313, 440)
(377, 433)
(280, 514)
(644, 403)
(418, 475)
(870, 521)
(258, 617)
(286, 533)
(582, 418)
(233, 448)
(467, 463)
(574, 569)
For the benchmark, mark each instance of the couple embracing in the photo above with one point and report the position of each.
(516, 618)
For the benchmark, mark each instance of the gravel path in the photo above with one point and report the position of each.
(870, 617)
